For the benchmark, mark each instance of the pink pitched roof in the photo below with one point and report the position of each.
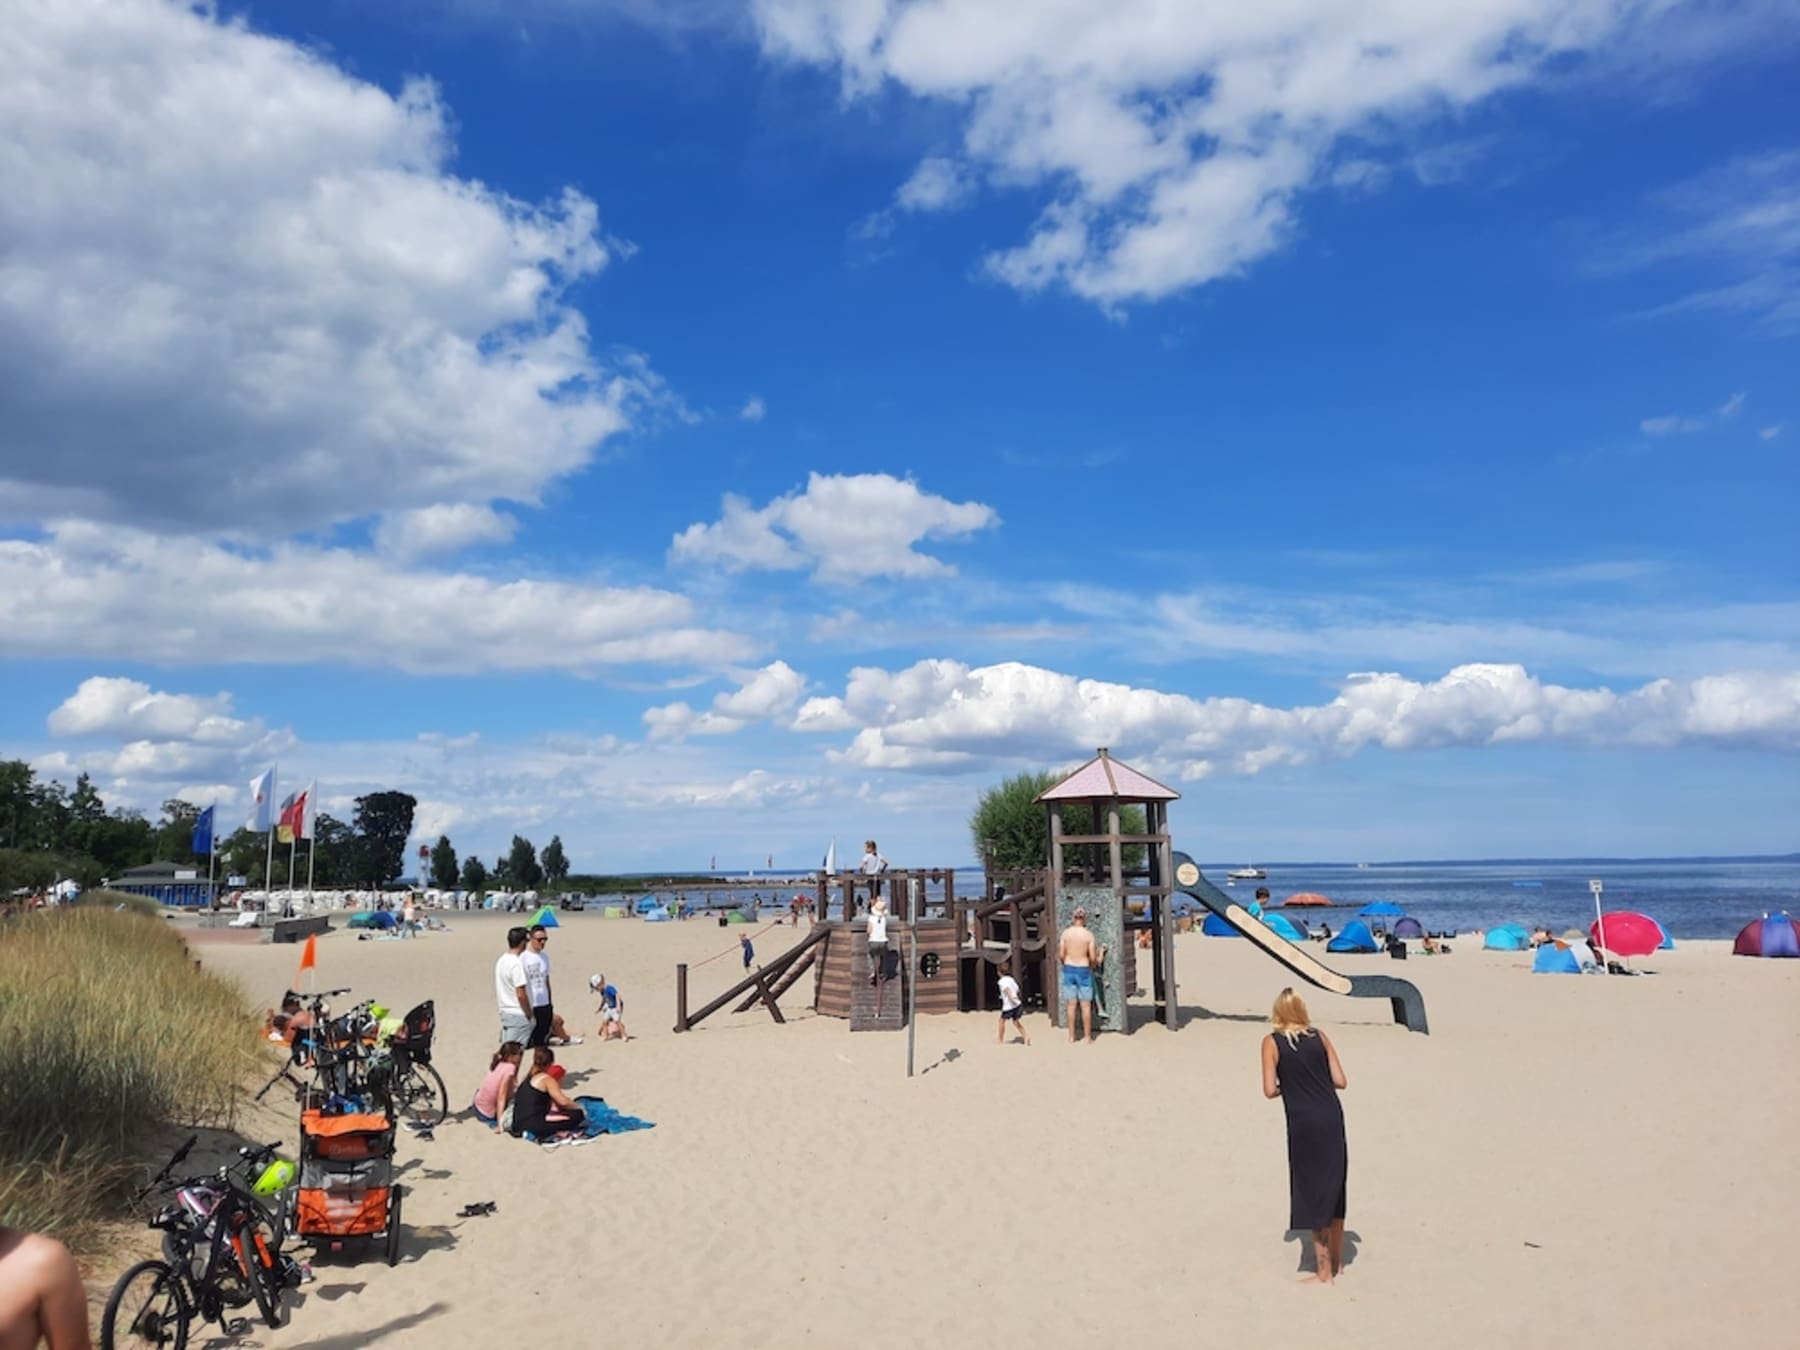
(1104, 776)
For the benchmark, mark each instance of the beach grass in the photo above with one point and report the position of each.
(108, 1035)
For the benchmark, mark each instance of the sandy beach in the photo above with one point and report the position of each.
(1565, 1161)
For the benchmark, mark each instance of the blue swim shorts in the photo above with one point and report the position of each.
(1077, 984)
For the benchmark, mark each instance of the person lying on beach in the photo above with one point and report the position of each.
(496, 1090)
(288, 1025)
(541, 1107)
(42, 1301)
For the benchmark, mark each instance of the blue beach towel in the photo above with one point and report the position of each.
(604, 1119)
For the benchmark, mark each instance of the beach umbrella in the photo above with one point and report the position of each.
(1627, 933)
(1771, 935)
(1306, 899)
(1409, 927)
(1380, 909)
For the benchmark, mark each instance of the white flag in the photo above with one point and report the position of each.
(309, 814)
(262, 799)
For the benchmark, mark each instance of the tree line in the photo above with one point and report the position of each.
(50, 832)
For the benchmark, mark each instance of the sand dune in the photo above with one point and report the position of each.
(1565, 1161)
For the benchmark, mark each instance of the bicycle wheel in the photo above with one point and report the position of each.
(420, 1097)
(263, 1279)
(393, 1224)
(146, 1307)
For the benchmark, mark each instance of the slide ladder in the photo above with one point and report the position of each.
(1408, 1004)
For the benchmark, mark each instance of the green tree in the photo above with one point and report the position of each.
(174, 838)
(443, 864)
(16, 803)
(522, 869)
(474, 874)
(334, 861)
(86, 815)
(1018, 825)
(554, 861)
(384, 822)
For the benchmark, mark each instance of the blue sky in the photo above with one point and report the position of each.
(710, 429)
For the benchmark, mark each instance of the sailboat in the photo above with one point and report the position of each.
(830, 864)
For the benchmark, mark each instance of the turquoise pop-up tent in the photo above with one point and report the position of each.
(1285, 926)
(545, 916)
(1554, 960)
(1508, 937)
(1356, 937)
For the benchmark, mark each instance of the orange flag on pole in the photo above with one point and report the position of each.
(309, 955)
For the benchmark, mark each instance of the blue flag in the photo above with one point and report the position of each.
(203, 832)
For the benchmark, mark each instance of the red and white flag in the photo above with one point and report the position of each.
(262, 802)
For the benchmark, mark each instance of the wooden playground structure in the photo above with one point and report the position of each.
(965, 942)
(946, 952)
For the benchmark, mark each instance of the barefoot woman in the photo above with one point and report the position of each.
(1300, 1066)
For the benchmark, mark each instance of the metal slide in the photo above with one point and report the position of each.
(1408, 1005)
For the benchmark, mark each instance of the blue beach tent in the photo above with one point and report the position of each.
(545, 916)
(648, 903)
(1217, 927)
(1356, 937)
(1508, 937)
(657, 915)
(1668, 942)
(372, 918)
(1381, 909)
(1409, 927)
(1285, 926)
(1554, 960)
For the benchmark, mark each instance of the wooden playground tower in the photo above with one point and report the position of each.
(963, 943)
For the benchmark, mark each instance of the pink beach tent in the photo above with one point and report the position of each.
(1771, 935)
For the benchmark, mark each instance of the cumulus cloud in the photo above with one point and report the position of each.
(1176, 140)
(157, 737)
(761, 695)
(88, 590)
(432, 531)
(754, 410)
(318, 321)
(939, 714)
(937, 184)
(846, 527)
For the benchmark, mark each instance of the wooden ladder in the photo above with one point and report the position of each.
(862, 993)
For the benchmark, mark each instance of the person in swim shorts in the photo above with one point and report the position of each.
(1080, 954)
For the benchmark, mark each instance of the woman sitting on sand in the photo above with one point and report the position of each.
(540, 1106)
(496, 1089)
(1300, 1066)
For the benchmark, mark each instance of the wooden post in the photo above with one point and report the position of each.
(950, 892)
(1052, 884)
(681, 1017)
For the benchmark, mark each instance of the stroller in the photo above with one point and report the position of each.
(347, 1186)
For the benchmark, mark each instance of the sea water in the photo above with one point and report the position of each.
(1691, 899)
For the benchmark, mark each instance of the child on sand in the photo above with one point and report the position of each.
(612, 1009)
(749, 951)
(1012, 1008)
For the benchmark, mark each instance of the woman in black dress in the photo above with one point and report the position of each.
(1300, 1066)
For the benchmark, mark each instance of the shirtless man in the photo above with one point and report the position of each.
(41, 1298)
(1080, 955)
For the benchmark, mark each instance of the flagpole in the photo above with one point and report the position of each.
(212, 851)
(269, 846)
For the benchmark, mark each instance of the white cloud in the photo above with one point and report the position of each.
(762, 695)
(317, 321)
(1177, 139)
(754, 410)
(846, 527)
(943, 713)
(937, 184)
(432, 531)
(93, 591)
(1732, 406)
(1738, 227)
(1770, 433)
(161, 738)
(1671, 424)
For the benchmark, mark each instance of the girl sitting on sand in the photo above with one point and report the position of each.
(541, 1107)
(496, 1090)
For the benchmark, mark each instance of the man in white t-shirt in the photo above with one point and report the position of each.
(1012, 1007)
(546, 1026)
(509, 989)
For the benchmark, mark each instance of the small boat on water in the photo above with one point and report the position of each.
(1246, 874)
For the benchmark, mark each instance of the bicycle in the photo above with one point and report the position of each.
(413, 1088)
(221, 1252)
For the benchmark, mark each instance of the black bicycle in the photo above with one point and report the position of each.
(221, 1252)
